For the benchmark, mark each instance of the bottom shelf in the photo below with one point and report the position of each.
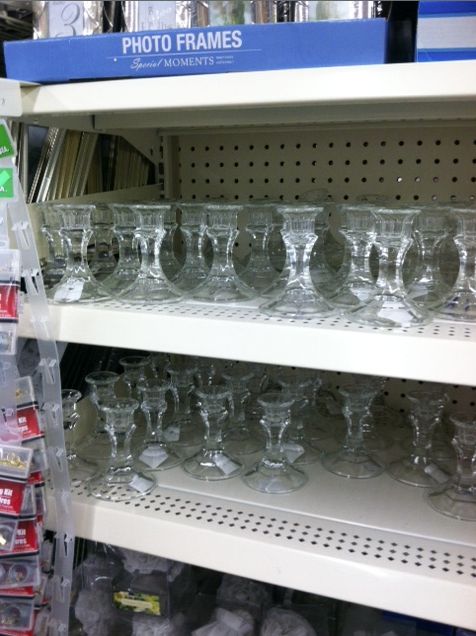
(373, 542)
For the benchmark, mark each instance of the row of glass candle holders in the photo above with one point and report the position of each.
(208, 415)
(380, 282)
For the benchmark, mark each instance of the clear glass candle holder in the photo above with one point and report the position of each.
(391, 307)
(135, 373)
(274, 473)
(213, 462)
(193, 228)
(79, 470)
(125, 224)
(184, 430)
(259, 273)
(358, 228)
(430, 229)
(417, 469)
(151, 284)
(103, 262)
(122, 480)
(56, 258)
(78, 284)
(222, 283)
(354, 459)
(299, 299)
(457, 497)
(158, 454)
(101, 388)
(460, 304)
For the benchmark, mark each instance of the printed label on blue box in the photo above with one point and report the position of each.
(192, 51)
(446, 31)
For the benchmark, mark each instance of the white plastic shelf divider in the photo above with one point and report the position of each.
(443, 90)
(373, 541)
(438, 352)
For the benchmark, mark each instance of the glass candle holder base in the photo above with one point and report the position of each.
(120, 485)
(461, 306)
(222, 290)
(352, 465)
(390, 311)
(159, 456)
(96, 448)
(212, 465)
(420, 475)
(298, 303)
(80, 470)
(353, 297)
(149, 290)
(300, 452)
(275, 480)
(77, 290)
(452, 502)
(241, 442)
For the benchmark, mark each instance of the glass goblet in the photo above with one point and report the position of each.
(78, 468)
(78, 283)
(358, 227)
(457, 497)
(299, 299)
(212, 462)
(354, 460)
(97, 447)
(194, 228)
(222, 283)
(460, 304)
(239, 437)
(430, 228)
(158, 454)
(274, 474)
(121, 480)
(50, 228)
(127, 267)
(391, 307)
(151, 284)
(416, 469)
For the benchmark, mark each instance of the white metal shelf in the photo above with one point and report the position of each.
(443, 90)
(438, 352)
(10, 98)
(373, 541)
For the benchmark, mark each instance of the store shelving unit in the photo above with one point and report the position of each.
(405, 130)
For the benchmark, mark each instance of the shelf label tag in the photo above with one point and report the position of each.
(7, 187)
(6, 144)
(141, 484)
(293, 451)
(226, 464)
(69, 292)
(153, 456)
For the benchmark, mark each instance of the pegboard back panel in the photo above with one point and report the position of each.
(409, 164)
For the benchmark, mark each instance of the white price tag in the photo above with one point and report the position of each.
(153, 456)
(141, 484)
(226, 464)
(65, 19)
(292, 450)
(69, 292)
(172, 433)
(436, 473)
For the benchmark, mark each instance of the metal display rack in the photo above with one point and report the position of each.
(408, 131)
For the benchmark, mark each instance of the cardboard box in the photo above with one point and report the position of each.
(197, 51)
(446, 31)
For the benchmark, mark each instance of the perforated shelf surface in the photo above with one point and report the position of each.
(438, 352)
(373, 541)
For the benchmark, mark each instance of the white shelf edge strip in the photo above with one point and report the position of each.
(438, 353)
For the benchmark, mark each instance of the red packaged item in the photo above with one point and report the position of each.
(9, 285)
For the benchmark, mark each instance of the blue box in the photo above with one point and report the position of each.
(446, 31)
(196, 51)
